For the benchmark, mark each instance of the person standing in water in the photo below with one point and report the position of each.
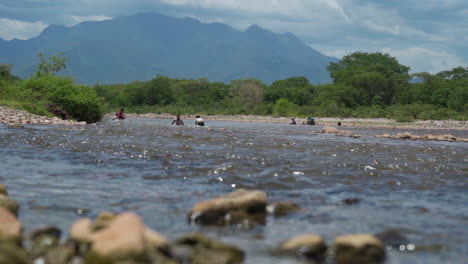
(178, 121)
(293, 121)
(199, 121)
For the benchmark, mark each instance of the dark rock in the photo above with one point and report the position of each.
(10, 253)
(283, 208)
(351, 201)
(358, 249)
(209, 251)
(47, 230)
(310, 246)
(392, 237)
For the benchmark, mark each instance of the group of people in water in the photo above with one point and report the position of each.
(310, 121)
(200, 122)
(177, 121)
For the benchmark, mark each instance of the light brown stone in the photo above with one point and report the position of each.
(81, 230)
(358, 249)
(10, 227)
(311, 246)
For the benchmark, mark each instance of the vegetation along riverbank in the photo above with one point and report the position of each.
(365, 85)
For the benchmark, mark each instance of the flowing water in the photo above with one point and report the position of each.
(59, 174)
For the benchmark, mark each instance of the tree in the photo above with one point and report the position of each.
(54, 63)
(5, 72)
(378, 74)
(248, 92)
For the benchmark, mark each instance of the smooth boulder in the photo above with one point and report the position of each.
(358, 249)
(231, 208)
(11, 228)
(9, 204)
(310, 246)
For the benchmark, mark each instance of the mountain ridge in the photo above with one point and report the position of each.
(141, 46)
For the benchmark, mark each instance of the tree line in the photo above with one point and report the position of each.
(363, 85)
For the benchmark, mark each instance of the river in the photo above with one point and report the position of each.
(61, 173)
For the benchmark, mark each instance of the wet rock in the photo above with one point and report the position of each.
(3, 190)
(62, 254)
(209, 251)
(283, 208)
(123, 239)
(337, 132)
(47, 230)
(43, 239)
(351, 201)
(15, 125)
(10, 227)
(392, 237)
(358, 249)
(9, 204)
(155, 240)
(310, 246)
(231, 208)
(12, 254)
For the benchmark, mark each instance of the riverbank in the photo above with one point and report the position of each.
(345, 122)
(14, 116)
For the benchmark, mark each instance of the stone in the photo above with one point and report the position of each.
(210, 251)
(231, 208)
(310, 246)
(103, 220)
(12, 254)
(81, 231)
(392, 237)
(283, 208)
(3, 190)
(46, 230)
(15, 125)
(155, 240)
(351, 201)
(123, 239)
(330, 130)
(11, 228)
(9, 204)
(62, 254)
(358, 249)
(42, 244)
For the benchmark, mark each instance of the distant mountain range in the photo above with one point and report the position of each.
(141, 46)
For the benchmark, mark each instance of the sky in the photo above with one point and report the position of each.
(426, 35)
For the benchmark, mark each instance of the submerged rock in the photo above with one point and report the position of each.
(283, 208)
(338, 132)
(44, 239)
(310, 246)
(208, 251)
(231, 208)
(358, 249)
(393, 238)
(3, 190)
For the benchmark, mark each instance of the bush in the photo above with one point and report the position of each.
(283, 107)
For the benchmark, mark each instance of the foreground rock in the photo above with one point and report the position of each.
(10, 227)
(283, 208)
(9, 204)
(338, 132)
(409, 136)
(358, 249)
(17, 117)
(204, 250)
(309, 246)
(232, 208)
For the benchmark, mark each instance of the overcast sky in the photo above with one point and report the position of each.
(427, 35)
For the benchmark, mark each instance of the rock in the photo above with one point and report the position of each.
(330, 130)
(81, 231)
(358, 249)
(47, 230)
(15, 125)
(209, 251)
(62, 254)
(123, 239)
(231, 208)
(10, 227)
(3, 190)
(409, 136)
(9, 204)
(283, 208)
(351, 201)
(155, 240)
(392, 237)
(103, 220)
(311, 246)
(12, 254)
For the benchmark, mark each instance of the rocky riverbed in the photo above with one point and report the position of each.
(14, 116)
(121, 238)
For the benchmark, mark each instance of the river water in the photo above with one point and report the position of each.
(59, 174)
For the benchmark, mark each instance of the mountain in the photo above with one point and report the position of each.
(141, 46)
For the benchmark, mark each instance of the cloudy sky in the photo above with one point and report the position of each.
(427, 35)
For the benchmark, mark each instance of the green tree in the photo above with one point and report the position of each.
(50, 65)
(249, 93)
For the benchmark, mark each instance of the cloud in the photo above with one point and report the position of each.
(426, 60)
(10, 28)
(78, 19)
